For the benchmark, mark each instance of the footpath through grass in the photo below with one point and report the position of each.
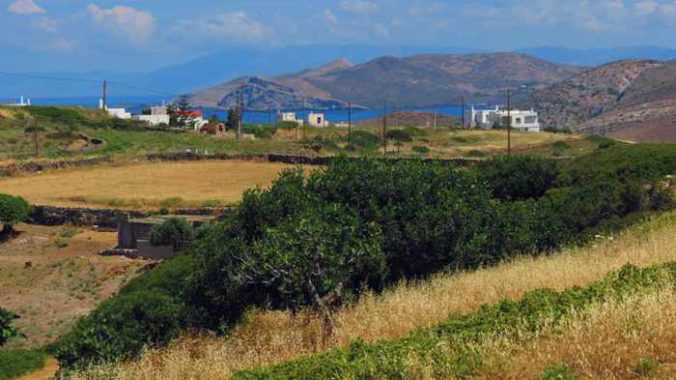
(453, 348)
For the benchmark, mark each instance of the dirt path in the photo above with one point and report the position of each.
(46, 373)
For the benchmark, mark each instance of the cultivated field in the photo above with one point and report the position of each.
(145, 185)
(272, 337)
(66, 279)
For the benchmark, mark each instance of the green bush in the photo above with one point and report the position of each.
(174, 231)
(7, 330)
(558, 372)
(401, 135)
(12, 210)
(646, 367)
(421, 149)
(260, 131)
(518, 177)
(365, 140)
(20, 362)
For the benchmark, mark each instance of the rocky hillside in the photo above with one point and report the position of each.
(421, 80)
(631, 99)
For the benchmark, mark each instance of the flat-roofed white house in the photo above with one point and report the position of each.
(317, 120)
(158, 116)
(23, 102)
(523, 120)
(290, 117)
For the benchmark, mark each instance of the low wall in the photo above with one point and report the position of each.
(105, 219)
(35, 167)
(292, 159)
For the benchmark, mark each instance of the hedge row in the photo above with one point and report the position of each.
(449, 348)
(368, 223)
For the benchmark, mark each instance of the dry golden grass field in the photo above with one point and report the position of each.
(145, 185)
(271, 337)
(67, 278)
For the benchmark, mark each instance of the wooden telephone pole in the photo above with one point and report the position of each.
(509, 123)
(349, 124)
(240, 110)
(104, 95)
(384, 127)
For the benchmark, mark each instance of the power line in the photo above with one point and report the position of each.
(86, 80)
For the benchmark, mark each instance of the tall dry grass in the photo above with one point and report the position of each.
(609, 341)
(271, 337)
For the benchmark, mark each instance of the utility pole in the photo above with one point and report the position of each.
(509, 124)
(307, 117)
(349, 124)
(384, 127)
(462, 109)
(104, 94)
(240, 110)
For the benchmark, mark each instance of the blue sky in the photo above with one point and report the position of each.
(144, 34)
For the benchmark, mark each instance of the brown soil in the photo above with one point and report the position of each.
(51, 276)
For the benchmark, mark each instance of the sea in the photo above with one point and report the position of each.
(135, 104)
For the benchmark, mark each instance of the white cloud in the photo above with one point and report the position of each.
(46, 23)
(331, 18)
(647, 7)
(134, 24)
(232, 24)
(25, 7)
(359, 6)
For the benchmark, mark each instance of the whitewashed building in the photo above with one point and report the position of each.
(523, 120)
(317, 120)
(158, 116)
(23, 102)
(290, 117)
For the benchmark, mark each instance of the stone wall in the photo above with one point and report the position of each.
(35, 167)
(105, 219)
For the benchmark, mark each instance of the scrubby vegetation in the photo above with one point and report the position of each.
(367, 224)
(19, 362)
(453, 348)
(7, 330)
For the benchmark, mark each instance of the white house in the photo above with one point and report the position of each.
(23, 102)
(289, 116)
(317, 120)
(119, 113)
(158, 115)
(523, 120)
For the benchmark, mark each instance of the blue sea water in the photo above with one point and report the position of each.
(136, 103)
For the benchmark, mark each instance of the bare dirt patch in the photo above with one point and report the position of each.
(50, 276)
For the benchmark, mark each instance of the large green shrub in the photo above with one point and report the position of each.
(518, 177)
(370, 223)
(12, 210)
(174, 231)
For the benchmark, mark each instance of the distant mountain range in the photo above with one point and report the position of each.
(633, 99)
(226, 64)
(420, 80)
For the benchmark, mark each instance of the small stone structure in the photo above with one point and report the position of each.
(133, 235)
